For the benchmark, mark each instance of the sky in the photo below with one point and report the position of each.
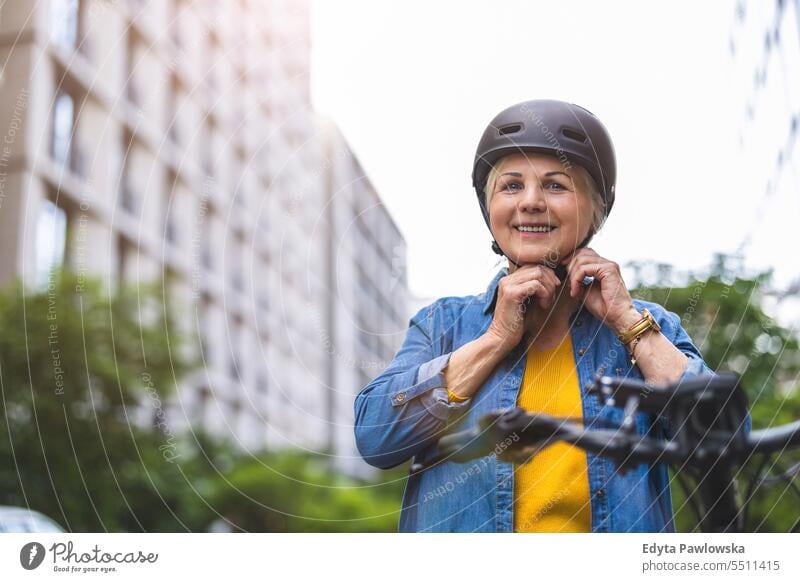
(413, 84)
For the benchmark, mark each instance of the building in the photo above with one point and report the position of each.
(176, 139)
(368, 286)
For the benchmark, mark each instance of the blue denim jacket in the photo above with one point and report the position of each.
(403, 411)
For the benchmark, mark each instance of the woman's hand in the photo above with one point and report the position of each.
(607, 298)
(508, 325)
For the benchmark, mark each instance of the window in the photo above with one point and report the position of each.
(64, 23)
(235, 267)
(51, 240)
(170, 228)
(233, 367)
(173, 130)
(206, 253)
(63, 123)
(239, 196)
(175, 28)
(261, 384)
(131, 91)
(128, 196)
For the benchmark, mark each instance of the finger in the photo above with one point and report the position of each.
(554, 278)
(550, 280)
(546, 296)
(599, 271)
(582, 256)
(570, 257)
(533, 273)
(549, 275)
(534, 289)
(588, 257)
(577, 275)
(531, 287)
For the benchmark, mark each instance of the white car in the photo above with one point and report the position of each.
(21, 520)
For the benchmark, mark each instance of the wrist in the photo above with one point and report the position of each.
(495, 342)
(625, 321)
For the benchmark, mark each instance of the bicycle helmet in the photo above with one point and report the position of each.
(553, 127)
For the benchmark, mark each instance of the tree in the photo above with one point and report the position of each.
(84, 380)
(723, 313)
(292, 491)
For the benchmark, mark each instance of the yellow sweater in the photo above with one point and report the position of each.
(551, 491)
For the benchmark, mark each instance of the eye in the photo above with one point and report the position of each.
(512, 186)
(555, 186)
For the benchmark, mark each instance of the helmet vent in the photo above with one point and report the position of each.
(512, 128)
(573, 135)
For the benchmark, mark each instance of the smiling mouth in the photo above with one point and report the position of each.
(529, 230)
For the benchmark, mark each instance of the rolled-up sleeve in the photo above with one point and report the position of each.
(405, 408)
(696, 366)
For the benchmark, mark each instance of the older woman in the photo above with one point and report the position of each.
(559, 314)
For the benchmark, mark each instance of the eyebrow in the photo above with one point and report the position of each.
(548, 174)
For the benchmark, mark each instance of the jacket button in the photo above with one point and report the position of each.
(400, 397)
(578, 323)
(581, 351)
(601, 492)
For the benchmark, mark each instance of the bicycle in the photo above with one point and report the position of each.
(706, 416)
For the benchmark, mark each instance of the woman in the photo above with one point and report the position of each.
(559, 314)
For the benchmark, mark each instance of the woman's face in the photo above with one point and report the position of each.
(539, 191)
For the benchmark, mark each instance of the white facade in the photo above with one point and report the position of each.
(175, 138)
(368, 285)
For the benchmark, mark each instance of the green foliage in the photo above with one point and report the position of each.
(723, 315)
(85, 376)
(296, 492)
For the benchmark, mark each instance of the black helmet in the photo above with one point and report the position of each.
(562, 129)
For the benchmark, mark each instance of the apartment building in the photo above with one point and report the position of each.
(369, 288)
(176, 139)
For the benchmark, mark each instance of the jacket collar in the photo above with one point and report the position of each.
(491, 291)
(490, 296)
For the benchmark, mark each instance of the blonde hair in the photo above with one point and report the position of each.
(591, 188)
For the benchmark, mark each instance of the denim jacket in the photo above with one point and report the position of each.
(403, 411)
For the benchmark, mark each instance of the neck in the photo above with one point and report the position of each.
(542, 323)
(555, 320)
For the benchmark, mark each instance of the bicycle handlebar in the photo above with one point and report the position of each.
(708, 411)
(711, 409)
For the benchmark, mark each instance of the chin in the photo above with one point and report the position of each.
(532, 258)
(534, 255)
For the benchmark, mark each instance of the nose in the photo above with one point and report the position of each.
(533, 198)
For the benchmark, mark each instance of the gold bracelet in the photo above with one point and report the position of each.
(638, 328)
(453, 397)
